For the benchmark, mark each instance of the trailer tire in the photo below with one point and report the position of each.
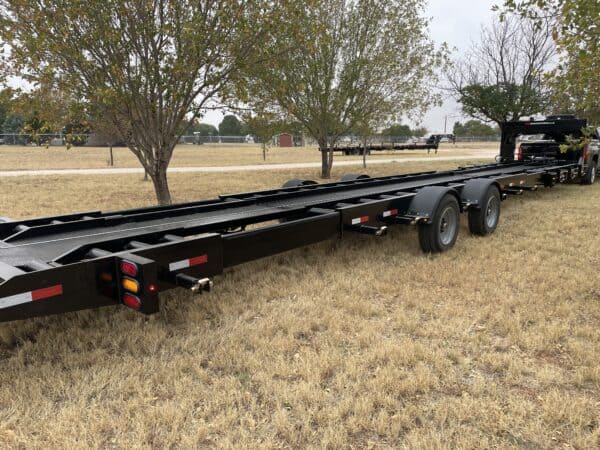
(484, 220)
(440, 235)
(590, 176)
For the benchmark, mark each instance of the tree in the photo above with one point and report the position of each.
(575, 82)
(475, 128)
(265, 124)
(335, 63)
(397, 130)
(144, 65)
(419, 132)
(7, 98)
(231, 126)
(202, 129)
(502, 76)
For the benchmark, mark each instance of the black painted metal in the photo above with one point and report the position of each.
(81, 252)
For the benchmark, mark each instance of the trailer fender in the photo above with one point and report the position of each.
(428, 199)
(298, 183)
(355, 176)
(473, 194)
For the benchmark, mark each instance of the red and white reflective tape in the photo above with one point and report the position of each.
(184, 264)
(392, 212)
(360, 220)
(31, 296)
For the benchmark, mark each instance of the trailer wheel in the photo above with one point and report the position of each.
(590, 176)
(483, 221)
(440, 235)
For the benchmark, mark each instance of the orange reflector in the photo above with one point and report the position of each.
(104, 276)
(132, 301)
(130, 285)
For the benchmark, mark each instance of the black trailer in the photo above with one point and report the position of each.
(432, 143)
(87, 260)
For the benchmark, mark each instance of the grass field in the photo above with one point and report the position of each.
(361, 343)
(21, 158)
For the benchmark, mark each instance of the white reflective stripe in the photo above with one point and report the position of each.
(14, 300)
(356, 221)
(178, 265)
(393, 212)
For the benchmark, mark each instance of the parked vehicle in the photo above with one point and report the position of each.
(79, 261)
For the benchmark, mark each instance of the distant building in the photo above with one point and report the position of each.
(285, 140)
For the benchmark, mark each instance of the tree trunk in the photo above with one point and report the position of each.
(365, 153)
(326, 159)
(161, 186)
(264, 150)
(112, 159)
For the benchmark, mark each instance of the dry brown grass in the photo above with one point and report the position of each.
(22, 158)
(358, 343)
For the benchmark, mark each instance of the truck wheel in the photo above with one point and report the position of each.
(483, 221)
(440, 235)
(590, 176)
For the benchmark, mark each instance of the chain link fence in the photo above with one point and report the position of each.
(58, 139)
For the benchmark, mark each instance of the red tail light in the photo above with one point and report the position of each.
(132, 301)
(519, 153)
(586, 152)
(129, 268)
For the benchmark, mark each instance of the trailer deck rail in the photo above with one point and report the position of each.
(78, 261)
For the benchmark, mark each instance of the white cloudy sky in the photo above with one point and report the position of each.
(456, 22)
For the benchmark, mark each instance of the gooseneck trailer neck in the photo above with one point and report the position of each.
(79, 261)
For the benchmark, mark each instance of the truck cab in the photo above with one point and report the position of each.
(552, 138)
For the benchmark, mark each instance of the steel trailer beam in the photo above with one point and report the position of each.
(87, 260)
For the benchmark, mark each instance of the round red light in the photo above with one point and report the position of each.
(132, 301)
(152, 288)
(129, 268)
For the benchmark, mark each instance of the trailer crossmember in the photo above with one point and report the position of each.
(87, 260)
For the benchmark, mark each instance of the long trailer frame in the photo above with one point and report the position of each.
(79, 261)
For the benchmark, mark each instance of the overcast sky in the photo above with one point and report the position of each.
(456, 22)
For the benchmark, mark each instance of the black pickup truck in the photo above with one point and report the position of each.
(555, 137)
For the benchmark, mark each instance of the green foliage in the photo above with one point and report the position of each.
(397, 130)
(76, 133)
(419, 132)
(474, 128)
(13, 124)
(231, 126)
(6, 103)
(501, 102)
(336, 66)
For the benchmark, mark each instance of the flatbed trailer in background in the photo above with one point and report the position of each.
(432, 143)
(80, 261)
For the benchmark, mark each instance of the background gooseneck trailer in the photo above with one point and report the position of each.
(79, 261)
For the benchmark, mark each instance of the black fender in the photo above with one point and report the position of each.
(355, 176)
(427, 200)
(474, 191)
(298, 183)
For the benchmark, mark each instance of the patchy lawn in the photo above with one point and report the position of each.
(360, 343)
